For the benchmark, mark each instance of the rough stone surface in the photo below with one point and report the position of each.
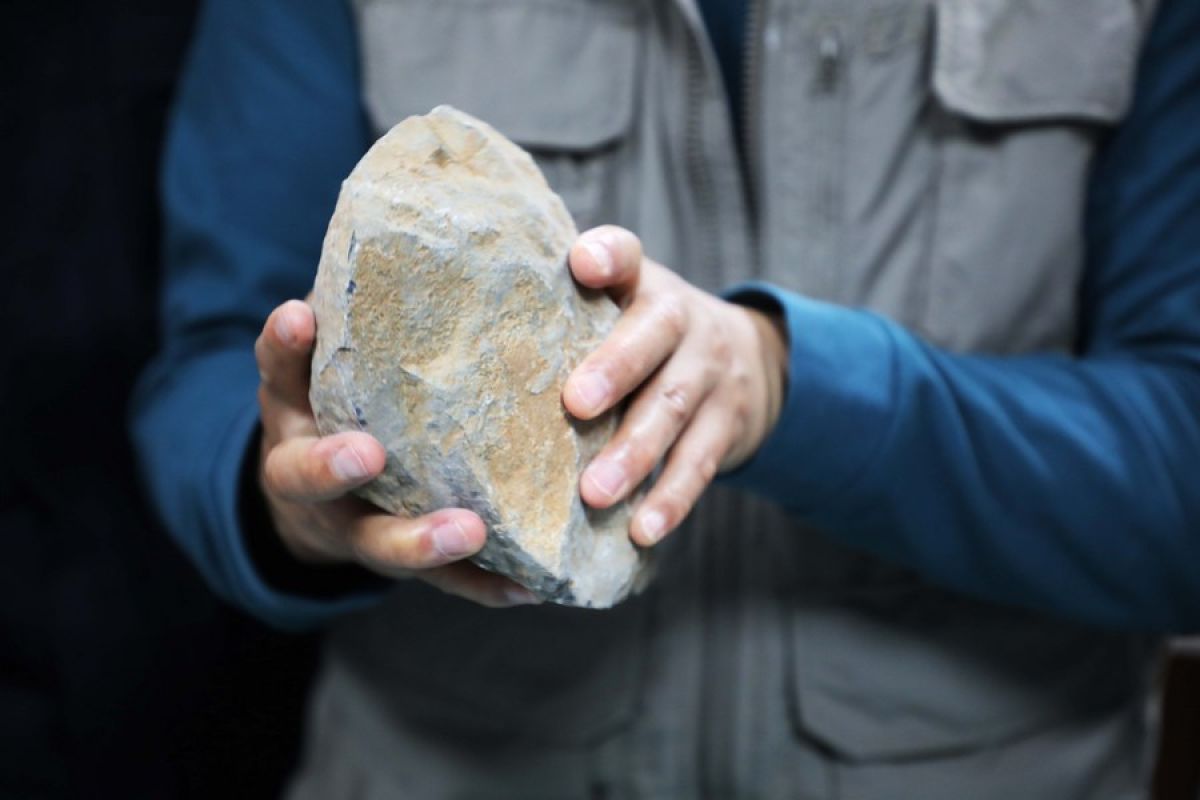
(447, 323)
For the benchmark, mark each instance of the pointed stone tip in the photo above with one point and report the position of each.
(449, 112)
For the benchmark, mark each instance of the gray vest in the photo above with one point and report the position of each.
(924, 158)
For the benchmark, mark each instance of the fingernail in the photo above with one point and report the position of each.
(520, 596)
(283, 330)
(601, 256)
(347, 466)
(451, 541)
(653, 524)
(592, 389)
(607, 477)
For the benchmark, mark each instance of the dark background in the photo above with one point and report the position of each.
(120, 675)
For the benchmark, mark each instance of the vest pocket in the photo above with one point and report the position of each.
(441, 667)
(1020, 93)
(556, 77)
(1004, 62)
(894, 669)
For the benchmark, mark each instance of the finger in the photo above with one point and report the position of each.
(690, 468)
(472, 583)
(282, 421)
(284, 352)
(390, 544)
(659, 413)
(645, 335)
(312, 469)
(608, 258)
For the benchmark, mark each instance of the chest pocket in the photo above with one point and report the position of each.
(1022, 91)
(543, 675)
(555, 76)
(893, 669)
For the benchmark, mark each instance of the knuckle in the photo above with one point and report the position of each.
(672, 505)
(739, 379)
(410, 545)
(315, 473)
(705, 470)
(739, 411)
(375, 548)
(671, 313)
(677, 401)
(722, 350)
(639, 455)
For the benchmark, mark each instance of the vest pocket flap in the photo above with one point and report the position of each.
(546, 74)
(1000, 61)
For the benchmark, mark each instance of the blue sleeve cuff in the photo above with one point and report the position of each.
(837, 408)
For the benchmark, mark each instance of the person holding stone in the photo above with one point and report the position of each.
(953, 388)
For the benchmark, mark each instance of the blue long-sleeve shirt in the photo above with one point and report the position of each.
(1067, 484)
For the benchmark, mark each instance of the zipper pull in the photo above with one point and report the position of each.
(829, 56)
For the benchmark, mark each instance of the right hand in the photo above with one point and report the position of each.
(307, 478)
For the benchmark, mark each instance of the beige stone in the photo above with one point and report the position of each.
(447, 323)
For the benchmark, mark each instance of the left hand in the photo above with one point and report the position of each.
(705, 380)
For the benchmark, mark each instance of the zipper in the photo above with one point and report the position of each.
(828, 102)
(751, 113)
(829, 58)
(697, 160)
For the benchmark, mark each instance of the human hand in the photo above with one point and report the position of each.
(705, 380)
(306, 480)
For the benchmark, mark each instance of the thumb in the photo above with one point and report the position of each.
(608, 258)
